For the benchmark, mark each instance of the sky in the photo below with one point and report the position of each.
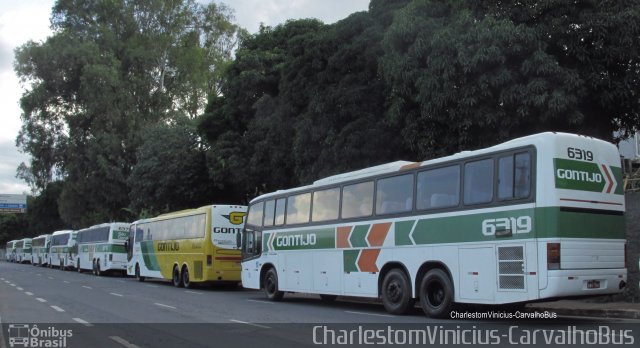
(24, 20)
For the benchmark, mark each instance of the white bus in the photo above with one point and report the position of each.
(23, 250)
(63, 250)
(533, 218)
(40, 250)
(188, 246)
(101, 248)
(10, 251)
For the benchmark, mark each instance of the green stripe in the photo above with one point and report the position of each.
(403, 229)
(324, 238)
(149, 256)
(350, 257)
(358, 236)
(552, 222)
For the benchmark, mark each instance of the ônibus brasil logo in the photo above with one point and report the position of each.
(24, 335)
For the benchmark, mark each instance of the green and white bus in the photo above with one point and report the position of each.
(188, 246)
(63, 250)
(10, 251)
(40, 250)
(534, 218)
(101, 248)
(23, 250)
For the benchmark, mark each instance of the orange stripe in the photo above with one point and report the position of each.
(378, 233)
(343, 237)
(367, 260)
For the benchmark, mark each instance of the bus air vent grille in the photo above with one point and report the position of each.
(197, 271)
(511, 268)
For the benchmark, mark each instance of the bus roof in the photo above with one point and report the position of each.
(42, 236)
(397, 166)
(106, 224)
(185, 212)
(62, 232)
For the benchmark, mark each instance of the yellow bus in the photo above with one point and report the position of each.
(189, 246)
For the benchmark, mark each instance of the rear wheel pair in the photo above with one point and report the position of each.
(435, 293)
(181, 279)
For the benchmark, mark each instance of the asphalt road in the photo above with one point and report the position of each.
(115, 311)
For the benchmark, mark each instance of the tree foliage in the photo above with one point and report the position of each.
(110, 69)
(465, 75)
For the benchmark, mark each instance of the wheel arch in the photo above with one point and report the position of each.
(388, 267)
(263, 270)
(426, 267)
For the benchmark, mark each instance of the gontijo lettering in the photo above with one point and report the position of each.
(296, 240)
(579, 175)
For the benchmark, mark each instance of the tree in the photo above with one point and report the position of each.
(171, 171)
(465, 75)
(110, 69)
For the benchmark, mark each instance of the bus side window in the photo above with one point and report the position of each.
(514, 176)
(395, 194)
(438, 188)
(478, 182)
(357, 200)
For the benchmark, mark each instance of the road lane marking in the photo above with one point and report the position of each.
(87, 287)
(28, 293)
(164, 305)
(12, 284)
(121, 281)
(64, 281)
(193, 292)
(39, 275)
(83, 322)
(259, 301)
(57, 308)
(19, 288)
(116, 294)
(41, 299)
(373, 314)
(6, 281)
(123, 342)
(248, 323)
(50, 277)
(151, 286)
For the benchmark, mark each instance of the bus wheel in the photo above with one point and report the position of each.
(138, 276)
(328, 298)
(98, 272)
(271, 285)
(436, 294)
(396, 292)
(177, 280)
(185, 278)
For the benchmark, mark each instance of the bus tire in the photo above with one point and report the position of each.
(328, 298)
(271, 285)
(396, 292)
(138, 276)
(98, 271)
(185, 278)
(436, 294)
(177, 279)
